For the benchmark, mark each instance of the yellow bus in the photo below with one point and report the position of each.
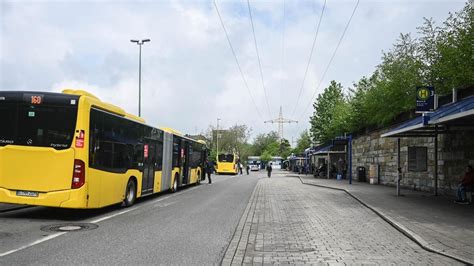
(227, 164)
(72, 150)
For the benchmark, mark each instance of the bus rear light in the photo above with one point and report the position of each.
(78, 174)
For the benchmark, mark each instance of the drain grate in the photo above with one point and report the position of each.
(69, 227)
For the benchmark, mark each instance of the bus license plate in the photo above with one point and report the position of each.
(27, 193)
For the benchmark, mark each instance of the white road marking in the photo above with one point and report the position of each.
(44, 239)
(113, 215)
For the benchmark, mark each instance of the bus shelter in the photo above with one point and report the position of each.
(296, 163)
(325, 157)
(451, 117)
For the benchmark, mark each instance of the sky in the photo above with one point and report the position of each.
(189, 74)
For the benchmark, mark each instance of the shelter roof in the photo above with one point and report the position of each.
(457, 114)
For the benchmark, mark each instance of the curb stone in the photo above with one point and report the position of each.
(236, 248)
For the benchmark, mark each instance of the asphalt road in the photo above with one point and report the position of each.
(193, 226)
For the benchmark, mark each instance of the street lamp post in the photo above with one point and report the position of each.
(140, 43)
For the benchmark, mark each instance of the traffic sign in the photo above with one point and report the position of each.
(425, 99)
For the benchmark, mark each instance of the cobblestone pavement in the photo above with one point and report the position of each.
(287, 222)
(436, 222)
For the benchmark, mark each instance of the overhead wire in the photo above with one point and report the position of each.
(258, 58)
(332, 58)
(282, 54)
(237, 61)
(310, 57)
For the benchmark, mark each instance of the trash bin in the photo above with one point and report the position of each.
(361, 176)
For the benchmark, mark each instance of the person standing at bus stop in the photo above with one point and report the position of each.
(269, 170)
(247, 167)
(209, 169)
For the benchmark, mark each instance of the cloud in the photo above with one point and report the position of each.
(189, 75)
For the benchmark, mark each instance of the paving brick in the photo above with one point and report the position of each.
(288, 222)
(449, 232)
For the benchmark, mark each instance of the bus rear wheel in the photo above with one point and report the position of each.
(130, 193)
(198, 177)
(174, 188)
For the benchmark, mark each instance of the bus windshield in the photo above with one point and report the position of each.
(226, 158)
(37, 125)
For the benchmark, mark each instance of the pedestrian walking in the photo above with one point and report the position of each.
(247, 168)
(209, 170)
(269, 170)
(467, 184)
(240, 168)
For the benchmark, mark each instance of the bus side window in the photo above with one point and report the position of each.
(119, 156)
(176, 154)
(138, 154)
(129, 156)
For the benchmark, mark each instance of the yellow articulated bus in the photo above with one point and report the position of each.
(227, 164)
(72, 150)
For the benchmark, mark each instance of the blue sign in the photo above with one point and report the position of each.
(425, 99)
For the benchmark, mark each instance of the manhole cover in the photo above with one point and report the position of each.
(69, 227)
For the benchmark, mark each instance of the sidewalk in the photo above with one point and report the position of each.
(287, 222)
(435, 222)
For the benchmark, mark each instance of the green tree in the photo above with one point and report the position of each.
(246, 151)
(427, 52)
(266, 156)
(303, 142)
(454, 67)
(357, 98)
(262, 141)
(441, 56)
(322, 128)
(395, 82)
(234, 139)
(273, 148)
(285, 148)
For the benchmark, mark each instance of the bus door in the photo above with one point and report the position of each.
(185, 165)
(204, 154)
(149, 163)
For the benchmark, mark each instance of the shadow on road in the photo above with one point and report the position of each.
(60, 214)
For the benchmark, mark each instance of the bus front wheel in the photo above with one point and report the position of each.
(130, 193)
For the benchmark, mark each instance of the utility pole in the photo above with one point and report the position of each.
(280, 121)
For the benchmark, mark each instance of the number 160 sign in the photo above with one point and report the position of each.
(36, 99)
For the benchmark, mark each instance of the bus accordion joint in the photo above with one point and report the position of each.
(79, 175)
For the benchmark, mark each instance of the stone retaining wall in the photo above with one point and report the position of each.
(456, 150)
